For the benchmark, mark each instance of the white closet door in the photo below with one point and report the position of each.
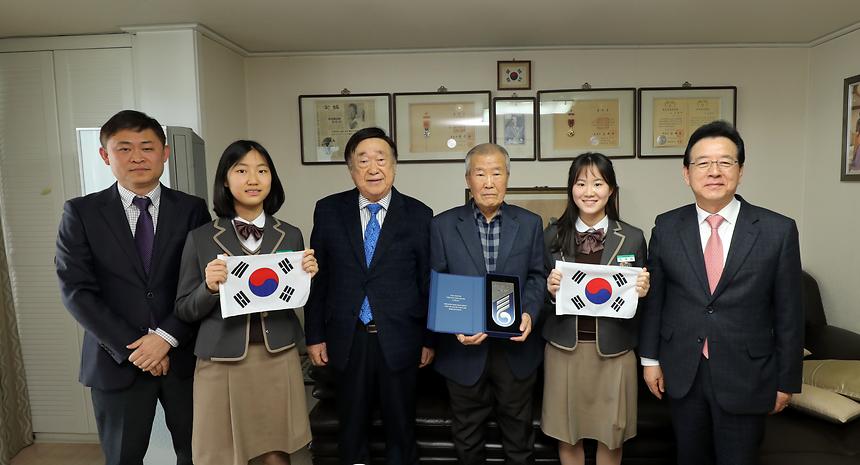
(31, 198)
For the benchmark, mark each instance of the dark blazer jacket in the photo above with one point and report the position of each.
(615, 336)
(455, 247)
(396, 282)
(227, 340)
(105, 288)
(753, 321)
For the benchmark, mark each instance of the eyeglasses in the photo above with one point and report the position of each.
(722, 165)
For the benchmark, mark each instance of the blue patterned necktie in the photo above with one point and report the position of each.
(371, 235)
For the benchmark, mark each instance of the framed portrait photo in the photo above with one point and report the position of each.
(547, 202)
(515, 126)
(850, 156)
(514, 75)
(576, 121)
(326, 122)
(669, 115)
(440, 126)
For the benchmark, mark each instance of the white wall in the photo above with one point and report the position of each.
(831, 228)
(771, 83)
(222, 99)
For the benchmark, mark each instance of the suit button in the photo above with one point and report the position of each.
(700, 340)
(710, 309)
(150, 294)
(264, 314)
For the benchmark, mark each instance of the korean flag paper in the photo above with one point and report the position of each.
(257, 283)
(597, 290)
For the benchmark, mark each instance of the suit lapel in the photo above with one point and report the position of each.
(390, 226)
(226, 238)
(351, 221)
(273, 236)
(114, 215)
(743, 240)
(469, 233)
(510, 226)
(691, 240)
(614, 240)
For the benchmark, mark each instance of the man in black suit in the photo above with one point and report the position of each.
(484, 236)
(118, 254)
(366, 314)
(722, 329)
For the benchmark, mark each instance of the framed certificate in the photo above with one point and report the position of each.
(576, 121)
(515, 126)
(850, 156)
(326, 122)
(440, 126)
(669, 115)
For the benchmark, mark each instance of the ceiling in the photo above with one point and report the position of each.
(288, 26)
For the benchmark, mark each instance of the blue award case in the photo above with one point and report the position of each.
(473, 304)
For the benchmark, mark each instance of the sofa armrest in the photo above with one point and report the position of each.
(831, 342)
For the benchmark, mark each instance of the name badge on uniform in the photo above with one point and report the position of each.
(624, 259)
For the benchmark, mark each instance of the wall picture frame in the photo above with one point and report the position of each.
(669, 115)
(849, 158)
(547, 202)
(514, 75)
(515, 126)
(575, 121)
(327, 121)
(440, 127)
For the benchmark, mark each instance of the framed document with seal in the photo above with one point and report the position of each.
(515, 126)
(669, 115)
(850, 156)
(440, 126)
(326, 122)
(576, 121)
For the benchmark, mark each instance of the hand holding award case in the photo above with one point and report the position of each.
(473, 304)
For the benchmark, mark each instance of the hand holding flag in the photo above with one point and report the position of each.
(597, 290)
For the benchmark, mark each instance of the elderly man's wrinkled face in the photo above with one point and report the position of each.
(372, 168)
(488, 181)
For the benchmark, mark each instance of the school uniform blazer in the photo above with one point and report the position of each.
(753, 321)
(222, 339)
(396, 283)
(104, 286)
(455, 247)
(615, 336)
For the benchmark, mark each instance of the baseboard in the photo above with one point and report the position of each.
(68, 438)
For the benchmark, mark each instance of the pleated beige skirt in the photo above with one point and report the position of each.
(589, 396)
(247, 408)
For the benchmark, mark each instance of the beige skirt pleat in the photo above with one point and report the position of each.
(589, 396)
(247, 408)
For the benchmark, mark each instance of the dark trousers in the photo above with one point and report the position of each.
(366, 380)
(124, 417)
(707, 434)
(511, 398)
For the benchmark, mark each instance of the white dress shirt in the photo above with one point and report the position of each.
(365, 213)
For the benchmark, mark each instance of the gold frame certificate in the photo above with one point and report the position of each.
(587, 120)
(669, 115)
(440, 126)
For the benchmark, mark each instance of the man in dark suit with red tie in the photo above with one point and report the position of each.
(722, 328)
(367, 311)
(118, 254)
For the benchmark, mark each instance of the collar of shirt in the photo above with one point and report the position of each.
(729, 212)
(127, 196)
(384, 202)
(251, 243)
(603, 223)
(479, 216)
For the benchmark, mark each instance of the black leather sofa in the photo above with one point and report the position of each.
(791, 438)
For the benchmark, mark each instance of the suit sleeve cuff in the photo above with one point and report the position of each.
(649, 362)
(166, 336)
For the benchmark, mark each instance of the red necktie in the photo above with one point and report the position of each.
(713, 260)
